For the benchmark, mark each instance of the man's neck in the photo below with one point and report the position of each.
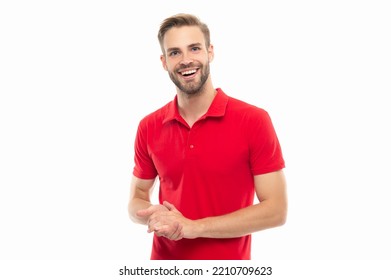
(192, 107)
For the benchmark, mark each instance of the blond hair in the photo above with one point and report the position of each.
(179, 20)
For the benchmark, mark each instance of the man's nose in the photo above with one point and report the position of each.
(186, 59)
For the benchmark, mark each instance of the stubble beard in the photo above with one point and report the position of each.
(193, 87)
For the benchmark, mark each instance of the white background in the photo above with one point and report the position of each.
(77, 76)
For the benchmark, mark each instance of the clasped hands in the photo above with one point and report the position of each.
(165, 220)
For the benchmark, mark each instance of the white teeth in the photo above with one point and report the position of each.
(189, 72)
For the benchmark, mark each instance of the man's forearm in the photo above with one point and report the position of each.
(266, 214)
(271, 211)
(239, 223)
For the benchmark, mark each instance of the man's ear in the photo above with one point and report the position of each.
(163, 60)
(211, 53)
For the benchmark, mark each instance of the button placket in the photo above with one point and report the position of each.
(191, 142)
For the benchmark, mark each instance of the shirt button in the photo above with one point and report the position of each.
(191, 146)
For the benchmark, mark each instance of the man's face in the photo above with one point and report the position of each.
(186, 58)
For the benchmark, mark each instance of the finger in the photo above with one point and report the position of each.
(157, 218)
(170, 206)
(161, 231)
(167, 231)
(173, 232)
(150, 229)
(178, 233)
(151, 210)
(144, 212)
(154, 225)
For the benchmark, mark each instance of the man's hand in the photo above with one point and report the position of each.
(171, 224)
(172, 231)
(151, 210)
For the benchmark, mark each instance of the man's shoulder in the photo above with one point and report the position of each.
(244, 108)
(158, 115)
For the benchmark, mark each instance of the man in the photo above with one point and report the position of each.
(211, 153)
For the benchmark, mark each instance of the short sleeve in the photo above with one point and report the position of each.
(265, 150)
(144, 167)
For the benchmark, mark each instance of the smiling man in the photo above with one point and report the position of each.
(212, 155)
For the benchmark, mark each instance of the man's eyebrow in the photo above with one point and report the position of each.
(195, 45)
(189, 46)
(172, 49)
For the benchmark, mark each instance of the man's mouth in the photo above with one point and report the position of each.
(188, 73)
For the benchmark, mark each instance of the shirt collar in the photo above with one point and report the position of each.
(216, 109)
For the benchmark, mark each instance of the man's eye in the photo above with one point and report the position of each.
(196, 48)
(174, 53)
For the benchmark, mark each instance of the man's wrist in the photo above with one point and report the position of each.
(199, 228)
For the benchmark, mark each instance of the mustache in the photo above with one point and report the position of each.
(191, 64)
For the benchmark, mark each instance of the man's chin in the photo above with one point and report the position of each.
(191, 90)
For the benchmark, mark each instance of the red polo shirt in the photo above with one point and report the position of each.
(207, 170)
